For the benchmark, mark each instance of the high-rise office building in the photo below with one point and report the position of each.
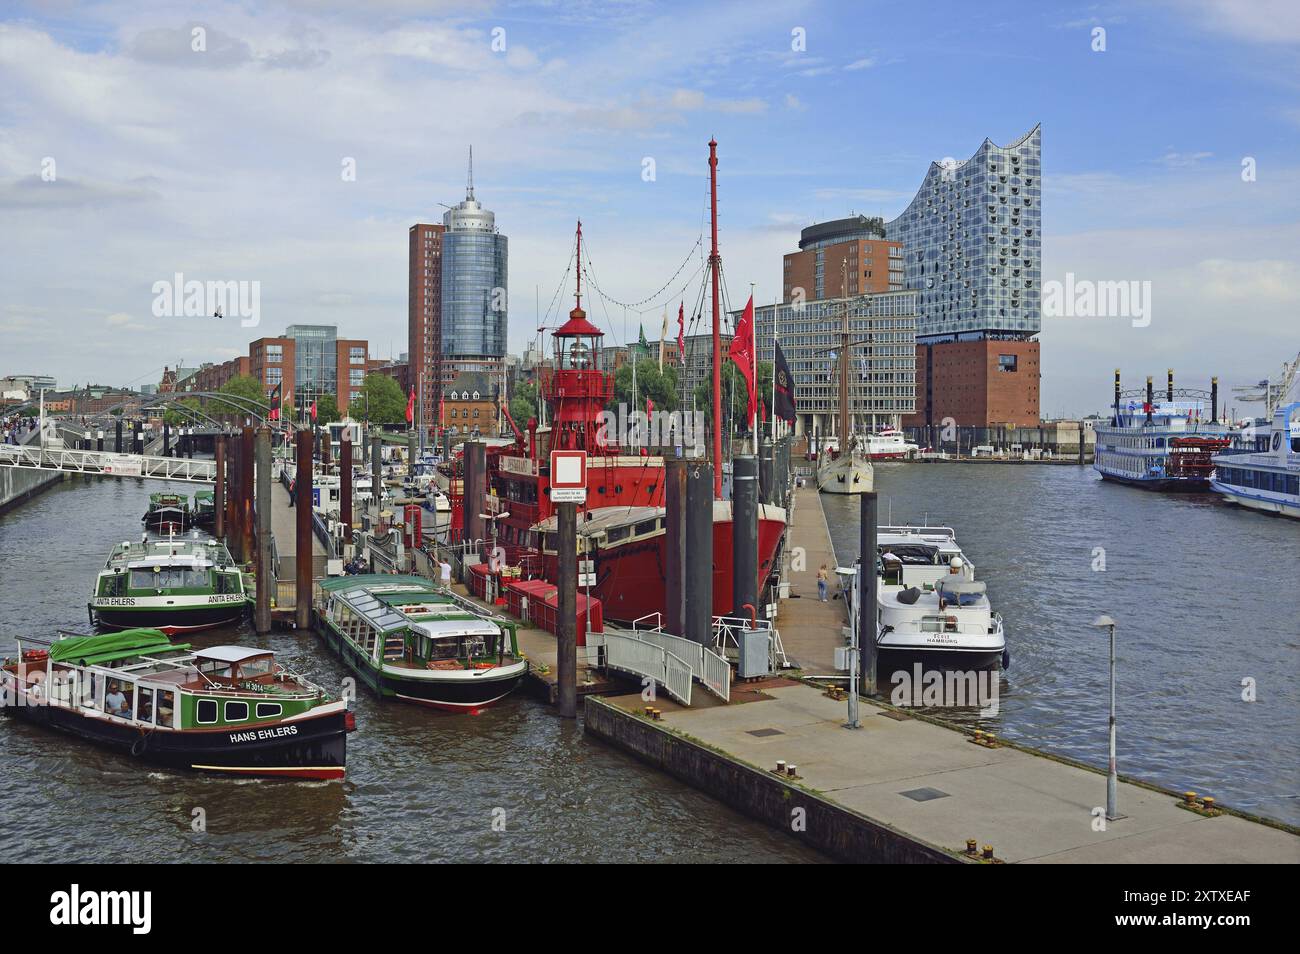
(473, 312)
(844, 258)
(424, 317)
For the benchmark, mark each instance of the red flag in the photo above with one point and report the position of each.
(410, 407)
(649, 406)
(762, 408)
(313, 409)
(681, 331)
(742, 352)
(275, 404)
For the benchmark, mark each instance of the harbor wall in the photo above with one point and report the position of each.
(18, 485)
(762, 795)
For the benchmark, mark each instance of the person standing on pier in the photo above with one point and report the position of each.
(293, 489)
(823, 583)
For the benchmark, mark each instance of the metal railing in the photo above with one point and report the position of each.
(638, 657)
(711, 669)
(107, 463)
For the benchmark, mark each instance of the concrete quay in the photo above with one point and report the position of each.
(904, 787)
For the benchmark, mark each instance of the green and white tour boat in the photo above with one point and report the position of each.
(176, 585)
(227, 709)
(408, 639)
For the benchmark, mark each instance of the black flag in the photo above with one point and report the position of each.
(785, 401)
(275, 405)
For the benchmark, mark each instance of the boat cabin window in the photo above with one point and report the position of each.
(166, 709)
(206, 712)
(253, 668)
(167, 577)
(92, 690)
(236, 711)
(215, 668)
(269, 710)
(615, 534)
(645, 526)
(144, 705)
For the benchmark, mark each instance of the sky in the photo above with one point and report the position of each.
(297, 147)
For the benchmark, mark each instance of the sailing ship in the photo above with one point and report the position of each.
(845, 469)
(175, 585)
(1164, 445)
(408, 639)
(226, 709)
(167, 513)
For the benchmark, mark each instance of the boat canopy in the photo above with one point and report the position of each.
(88, 650)
(231, 654)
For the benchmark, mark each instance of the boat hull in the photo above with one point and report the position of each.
(845, 475)
(1184, 485)
(453, 692)
(170, 619)
(313, 747)
(1261, 503)
(631, 578)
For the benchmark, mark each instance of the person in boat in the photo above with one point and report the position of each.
(115, 700)
(444, 572)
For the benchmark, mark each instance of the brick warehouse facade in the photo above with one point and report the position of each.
(979, 383)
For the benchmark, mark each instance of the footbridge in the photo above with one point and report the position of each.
(107, 463)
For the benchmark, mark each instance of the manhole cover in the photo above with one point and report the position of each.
(923, 794)
(764, 733)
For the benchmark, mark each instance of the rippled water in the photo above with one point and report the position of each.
(1204, 596)
(421, 786)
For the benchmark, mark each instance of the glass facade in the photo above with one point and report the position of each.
(972, 243)
(474, 256)
(315, 368)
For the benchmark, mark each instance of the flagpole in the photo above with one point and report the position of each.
(776, 308)
(753, 350)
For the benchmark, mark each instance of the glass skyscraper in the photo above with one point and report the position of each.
(474, 255)
(972, 244)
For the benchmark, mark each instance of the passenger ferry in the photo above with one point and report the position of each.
(1167, 445)
(167, 513)
(408, 639)
(1269, 480)
(175, 585)
(931, 608)
(226, 709)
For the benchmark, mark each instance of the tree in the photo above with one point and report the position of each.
(382, 400)
(175, 416)
(327, 410)
(524, 403)
(734, 400)
(660, 387)
(240, 386)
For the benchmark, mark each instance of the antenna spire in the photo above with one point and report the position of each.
(469, 194)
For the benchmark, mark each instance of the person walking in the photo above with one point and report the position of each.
(823, 583)
(293, 489)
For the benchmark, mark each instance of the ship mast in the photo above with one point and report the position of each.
(844, 363)
(714, 262)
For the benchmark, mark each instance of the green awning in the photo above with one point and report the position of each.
(88, 650)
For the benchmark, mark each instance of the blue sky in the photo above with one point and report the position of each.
(226, 165)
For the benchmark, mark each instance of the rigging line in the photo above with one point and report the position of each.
(563, 281)
(632, 306)
(608, 321)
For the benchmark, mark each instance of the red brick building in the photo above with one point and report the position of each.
(424, 318)
(873, 265)
(982, 383)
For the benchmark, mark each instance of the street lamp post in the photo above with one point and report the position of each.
(1112, 781)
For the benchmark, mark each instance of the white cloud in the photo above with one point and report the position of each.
(862, 64)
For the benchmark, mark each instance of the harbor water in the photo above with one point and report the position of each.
(1205, 600)
(515, 783)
